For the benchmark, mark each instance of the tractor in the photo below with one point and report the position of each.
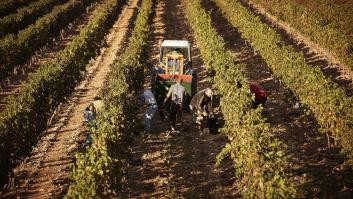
(174, 62)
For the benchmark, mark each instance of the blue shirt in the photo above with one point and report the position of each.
(147, 97)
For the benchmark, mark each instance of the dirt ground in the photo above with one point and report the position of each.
(45, 173)
(165, 164)
(317, 168)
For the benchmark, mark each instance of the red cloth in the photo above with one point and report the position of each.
(260, 93)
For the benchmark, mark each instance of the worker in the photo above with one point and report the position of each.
(177, 94)
(88, 115)
(91, 112)
(201, 106)
(260, 94)
(93, 109)
(148, 98)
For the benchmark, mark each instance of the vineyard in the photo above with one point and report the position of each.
(57, 57)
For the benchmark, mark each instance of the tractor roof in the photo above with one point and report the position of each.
(176, 43)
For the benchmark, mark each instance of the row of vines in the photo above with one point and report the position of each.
(329, 26)
(17, 48)
(257, 157)
(26, 114)
(27, 15)
(323, 98)
(97, 172)
(9, 6)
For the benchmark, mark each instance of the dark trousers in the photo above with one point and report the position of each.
(176, 111)
(257, 102)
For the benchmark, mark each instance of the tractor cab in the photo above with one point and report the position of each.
(175, 53)
(174, 62)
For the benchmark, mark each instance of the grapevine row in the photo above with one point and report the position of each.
(324, 99)
(9, 6)
(257, 157)
(17, 48)
(98, 172)
(26, 114)
(27, 15)
(331, 33)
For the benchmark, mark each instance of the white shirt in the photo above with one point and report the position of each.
(178, 92)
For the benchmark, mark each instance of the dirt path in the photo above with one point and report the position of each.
(45, 173)
(314, 54)
(47, 53)
(169, 165)
(312, 164)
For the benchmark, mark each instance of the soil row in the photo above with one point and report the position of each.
(45, 173)
(312, 164)
(315, 55)
(167, 164)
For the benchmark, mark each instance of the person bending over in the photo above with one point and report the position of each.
(201, 106)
